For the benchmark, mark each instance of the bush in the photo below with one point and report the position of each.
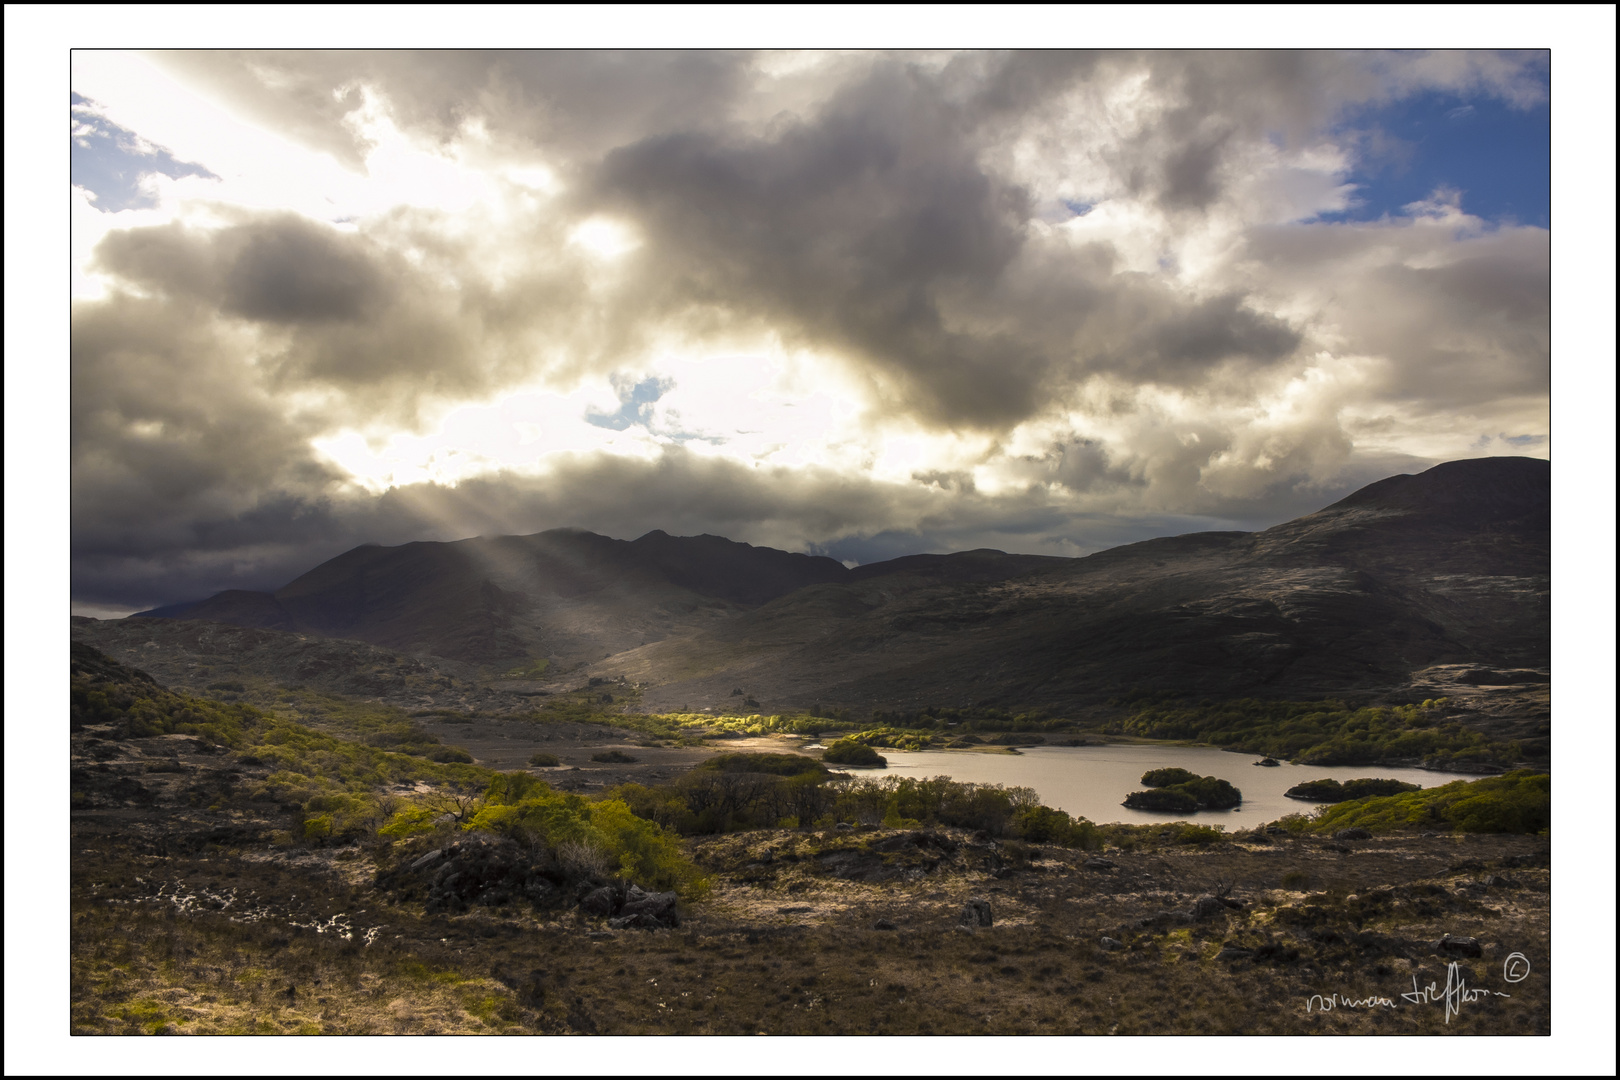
(1044, 825)
(1162, 800)
(1177, 791)
(1157, 778)
(1370, 786)
(542, 760)
(1331, 791)
(1519, 802)
(772, 764)
(614, 757)
(850, 752)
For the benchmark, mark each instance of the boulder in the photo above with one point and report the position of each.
(1234, 952)
(1352, 834)
(1099, 863)
(976, 912)
(844, 826)
(655, 908)
(600, 901)
(883, 924)
(425, 859)
(1459, 946)
(1207, 907)
(1111, 944)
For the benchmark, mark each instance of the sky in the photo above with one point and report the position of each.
(862, 304)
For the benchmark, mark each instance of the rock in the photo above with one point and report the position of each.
(1497, 881)
(425, 859)
(883, 924)
(1163, 920)
(1458, 946)
(1428, 835)
(1234, 952)
(600, 901)
(1111, 944)
(1276, 953)
(976, 912)
(650, 908)
(1340, 848)
(800, 909)
(1099, 863)
(1352, 834)
(844, 826)
(1269, 762)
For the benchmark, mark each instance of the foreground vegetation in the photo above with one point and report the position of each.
(1326, 732)
(240, 869)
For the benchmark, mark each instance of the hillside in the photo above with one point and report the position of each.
(1414, 584)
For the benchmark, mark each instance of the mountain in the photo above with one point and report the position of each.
(1446, 567)
(566, 594)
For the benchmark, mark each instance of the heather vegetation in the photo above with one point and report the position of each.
(1331, 791)
(1518, 802)
(1325, 732)
(853, 752)
(1178, 791)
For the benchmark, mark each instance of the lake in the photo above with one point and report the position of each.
(1092, 781)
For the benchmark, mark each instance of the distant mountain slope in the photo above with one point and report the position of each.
(1450, 566)
(1447, 566)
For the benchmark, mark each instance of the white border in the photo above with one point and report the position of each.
(37, 43)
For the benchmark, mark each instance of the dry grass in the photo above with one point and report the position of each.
(741, 964)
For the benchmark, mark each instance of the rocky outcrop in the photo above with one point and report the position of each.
(976, 912)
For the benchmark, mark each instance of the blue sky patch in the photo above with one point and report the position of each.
(635, 403)
(109, 161)
(1499, 157)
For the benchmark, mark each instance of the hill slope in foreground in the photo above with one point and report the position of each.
(232, 874)
(1426, 585)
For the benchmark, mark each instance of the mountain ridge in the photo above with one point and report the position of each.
(1447, 566)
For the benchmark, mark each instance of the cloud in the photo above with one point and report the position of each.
(1044, 300)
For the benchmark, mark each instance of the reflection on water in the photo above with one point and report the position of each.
(1092, 781)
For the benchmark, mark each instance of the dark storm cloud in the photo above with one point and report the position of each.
(852, 230)
(278, 269)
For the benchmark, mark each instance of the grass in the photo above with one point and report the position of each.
(738, 968)
(182, 919)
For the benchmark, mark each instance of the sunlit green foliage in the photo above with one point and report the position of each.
(1324, 732)
(851, 752)
(1518, 802)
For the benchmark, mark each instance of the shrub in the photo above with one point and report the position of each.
(850, 752)
(1368, 786)
(1158, 778)
(1045, 825)
(772, 764)
(1519, 802)
(1202, 835)
(1162, 800)
(542, 760)
(1329, 791)
(614, 757)
(1177, 791)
